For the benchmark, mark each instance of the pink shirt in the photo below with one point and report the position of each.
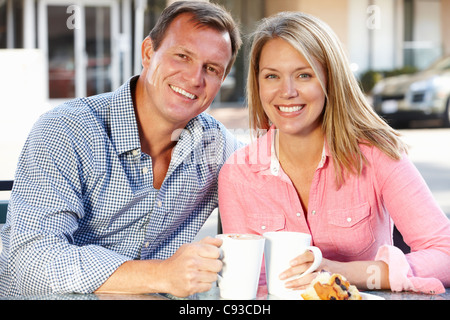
(354, 222)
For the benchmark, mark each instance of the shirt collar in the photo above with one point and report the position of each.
(124, 130)
(263, 157)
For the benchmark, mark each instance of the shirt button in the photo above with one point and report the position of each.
(146, 244)
(313, 212)
(144, 170)
(263, 227)
(135, 152)
(349, 219)
(298, 214)
(159, 203)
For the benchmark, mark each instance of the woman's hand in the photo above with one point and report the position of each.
(363, 274)
(299, 265)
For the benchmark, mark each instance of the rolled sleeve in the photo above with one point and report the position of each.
(82, 270)
(401, 277)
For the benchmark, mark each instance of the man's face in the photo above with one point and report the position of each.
(185, 74)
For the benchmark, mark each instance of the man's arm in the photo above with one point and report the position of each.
(45, 208)
(193, 268)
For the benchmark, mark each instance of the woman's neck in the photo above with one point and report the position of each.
(298, 149)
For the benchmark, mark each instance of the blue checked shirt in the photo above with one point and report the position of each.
(83, 200)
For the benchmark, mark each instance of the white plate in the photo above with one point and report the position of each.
(297, 296)
(369, 296)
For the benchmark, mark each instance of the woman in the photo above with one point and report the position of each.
(329, 166)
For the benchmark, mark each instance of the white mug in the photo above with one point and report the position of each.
(280, 248)
(242, 256)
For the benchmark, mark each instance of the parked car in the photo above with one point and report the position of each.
(420, 96)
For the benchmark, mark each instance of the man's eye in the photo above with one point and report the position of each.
(215, 71)
(211, 69)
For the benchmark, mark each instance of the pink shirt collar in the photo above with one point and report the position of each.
(263, 157)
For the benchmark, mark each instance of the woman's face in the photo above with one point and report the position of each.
(290, 91)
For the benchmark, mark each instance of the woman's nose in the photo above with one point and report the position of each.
(288, 89)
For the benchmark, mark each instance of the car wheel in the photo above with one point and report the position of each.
(446, 115)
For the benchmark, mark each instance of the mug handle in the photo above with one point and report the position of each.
(317, 260)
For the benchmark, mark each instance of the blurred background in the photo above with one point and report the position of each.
(54, 50)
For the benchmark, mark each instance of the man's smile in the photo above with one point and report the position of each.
(183, 92)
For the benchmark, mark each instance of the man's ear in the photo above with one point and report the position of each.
(146, 51)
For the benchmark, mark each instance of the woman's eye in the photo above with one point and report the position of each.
(270, 76)
(304, 76)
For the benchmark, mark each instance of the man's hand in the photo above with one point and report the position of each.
(193, 268)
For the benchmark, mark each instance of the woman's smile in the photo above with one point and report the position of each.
(290, 109)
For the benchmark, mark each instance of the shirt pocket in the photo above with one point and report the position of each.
(261, 223)
(350, 230)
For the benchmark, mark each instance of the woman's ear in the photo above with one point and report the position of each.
(147, 51)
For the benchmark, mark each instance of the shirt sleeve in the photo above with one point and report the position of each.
(422, 223)
(45, 207)
(231, 208)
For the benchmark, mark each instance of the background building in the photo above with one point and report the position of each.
(92, 46)
(53, 50)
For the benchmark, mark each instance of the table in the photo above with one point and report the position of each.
(213, 294)
(208, 305)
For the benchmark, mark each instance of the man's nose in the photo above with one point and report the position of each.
(195, 75)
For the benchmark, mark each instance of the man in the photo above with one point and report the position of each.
(110, 190)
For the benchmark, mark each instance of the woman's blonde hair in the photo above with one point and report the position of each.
(348, 118)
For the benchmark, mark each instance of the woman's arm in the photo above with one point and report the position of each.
(232, 206)
(422, 223)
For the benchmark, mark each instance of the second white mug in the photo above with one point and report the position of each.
(280, 248)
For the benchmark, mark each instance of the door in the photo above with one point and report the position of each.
(78, 41)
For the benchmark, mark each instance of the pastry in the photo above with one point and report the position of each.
(328, 286)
